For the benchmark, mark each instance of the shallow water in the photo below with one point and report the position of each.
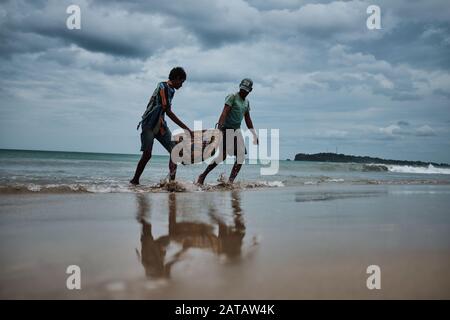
(69, 172)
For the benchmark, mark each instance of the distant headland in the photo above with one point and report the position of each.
(339, 157)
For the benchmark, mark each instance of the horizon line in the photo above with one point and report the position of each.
(112, 153)
(165, 155)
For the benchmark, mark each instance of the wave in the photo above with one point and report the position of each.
(430, 169)
(315, 181)
(424, 170)
(187, 186)
(163, 186)
(375, 168)
(61, 188)
(321, 180)
(335, 195)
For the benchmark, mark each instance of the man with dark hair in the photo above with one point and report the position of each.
(153, 124)
(237, 108)
(177, 72)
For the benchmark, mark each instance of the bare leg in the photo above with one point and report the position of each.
(172, 170)
(146, 155)
(168, 144)
(202, 177)
(234, 172)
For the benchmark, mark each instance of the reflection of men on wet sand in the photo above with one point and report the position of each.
(230, 237)
(152, 251)
(188, 234)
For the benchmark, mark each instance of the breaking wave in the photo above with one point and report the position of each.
(426, 170)
(430, 169)
(163, 186)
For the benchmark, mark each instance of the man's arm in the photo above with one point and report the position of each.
(249, 123)
(224, 115)
(168, 110)
(175, 119)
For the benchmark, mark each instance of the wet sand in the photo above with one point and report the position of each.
(312, 242)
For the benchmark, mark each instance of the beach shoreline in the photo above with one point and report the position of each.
(309, 242)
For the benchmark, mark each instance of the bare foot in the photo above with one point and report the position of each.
(134, 182)
(201, 180)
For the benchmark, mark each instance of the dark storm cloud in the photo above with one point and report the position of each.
(118, 34)
(13, 42)
(213, 23)
(127, 29)
(424, 46)
(38, 30)
(96, 42)
(221, 22)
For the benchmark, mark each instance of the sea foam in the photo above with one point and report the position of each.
(425, 170)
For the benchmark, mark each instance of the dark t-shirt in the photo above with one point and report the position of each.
(160, 102)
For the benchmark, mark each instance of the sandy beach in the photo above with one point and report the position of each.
(181, 151)
(305, 242)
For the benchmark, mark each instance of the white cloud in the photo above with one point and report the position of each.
(425, 131)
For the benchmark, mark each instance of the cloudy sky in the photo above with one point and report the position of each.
(321, 76)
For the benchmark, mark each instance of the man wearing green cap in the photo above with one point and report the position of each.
(237, 107)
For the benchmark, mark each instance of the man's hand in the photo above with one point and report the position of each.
(249, 123)
(180, 123)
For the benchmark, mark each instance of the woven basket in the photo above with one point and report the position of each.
(202, 145)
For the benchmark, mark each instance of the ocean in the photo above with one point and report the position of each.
(308, 232)
(67, 172)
